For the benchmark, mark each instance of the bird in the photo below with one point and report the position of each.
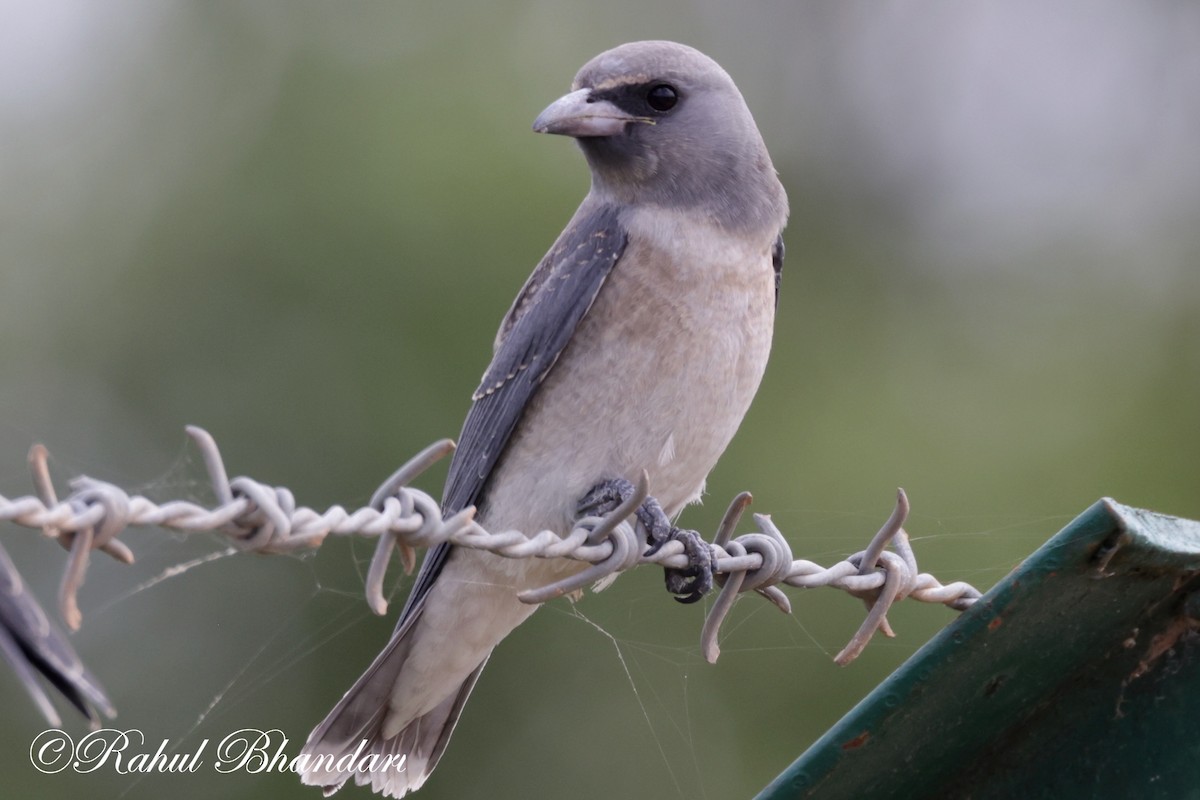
(32, 645)
(637, 344)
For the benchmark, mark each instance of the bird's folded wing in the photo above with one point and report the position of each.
(532, 336)
(32, 644)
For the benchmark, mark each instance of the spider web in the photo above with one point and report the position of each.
(246, 677)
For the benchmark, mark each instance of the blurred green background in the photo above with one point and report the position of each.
(298, 225)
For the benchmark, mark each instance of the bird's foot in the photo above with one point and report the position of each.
(689, 583)
(605, 497)
(692, 582)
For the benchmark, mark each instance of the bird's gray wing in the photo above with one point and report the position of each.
(534, 333)
(31, 645)
(777, 263)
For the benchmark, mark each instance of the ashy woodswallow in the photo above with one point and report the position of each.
(637, 344)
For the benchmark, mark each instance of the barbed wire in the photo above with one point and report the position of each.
(260, 518)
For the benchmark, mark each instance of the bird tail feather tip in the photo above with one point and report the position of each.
(392, 767)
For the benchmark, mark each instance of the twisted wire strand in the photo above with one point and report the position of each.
(260, 518)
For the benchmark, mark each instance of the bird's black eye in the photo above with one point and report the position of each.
(662, 97)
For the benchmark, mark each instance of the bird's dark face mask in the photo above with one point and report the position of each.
(622, 126)
(658, 134)
(633, 155)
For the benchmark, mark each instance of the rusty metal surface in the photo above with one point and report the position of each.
(1078, 676)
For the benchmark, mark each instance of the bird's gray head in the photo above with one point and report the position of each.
(661, 123)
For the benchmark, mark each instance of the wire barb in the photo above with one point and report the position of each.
(265, 519)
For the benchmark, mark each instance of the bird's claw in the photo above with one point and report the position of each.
(658, 527)
(692, 582)
(604, 497)
(689, 583)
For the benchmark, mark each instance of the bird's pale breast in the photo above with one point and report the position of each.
(684, 324)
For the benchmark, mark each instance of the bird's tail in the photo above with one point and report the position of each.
(349, 742)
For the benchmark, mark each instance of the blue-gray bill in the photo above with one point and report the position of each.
(637, 344)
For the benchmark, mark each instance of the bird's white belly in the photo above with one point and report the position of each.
(686, 351)
(685, 348)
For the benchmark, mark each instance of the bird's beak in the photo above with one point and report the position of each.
(577, 114)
